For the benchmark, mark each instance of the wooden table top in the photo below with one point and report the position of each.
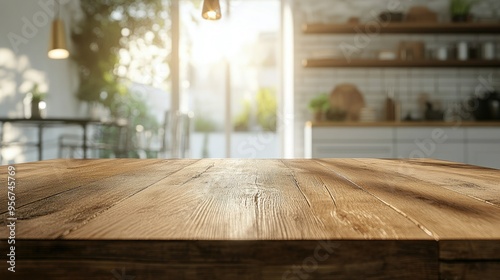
(453, 208)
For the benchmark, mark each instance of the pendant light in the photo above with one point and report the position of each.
(57, 49)
(211, 10)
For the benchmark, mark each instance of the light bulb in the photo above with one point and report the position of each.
(57, 49)
(211, 10)
(211, 15)
(58, 54)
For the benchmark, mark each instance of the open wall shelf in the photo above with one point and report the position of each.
(341, 62)
(405, 28)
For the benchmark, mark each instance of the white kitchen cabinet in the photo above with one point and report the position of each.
(353, 134)
(349, 142)
(347, 150)
(465, 143)
(483, 134)
(446, 143)
(484, 154)
(444, 151)
(437, 134)
(483, 146)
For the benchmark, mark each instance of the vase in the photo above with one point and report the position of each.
(318, 116)
(460, 18)
(35, 110)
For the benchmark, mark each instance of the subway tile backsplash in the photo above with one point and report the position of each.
(447, 85)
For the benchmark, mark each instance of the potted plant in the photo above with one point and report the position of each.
(460, 9)
(319, 106)
(336, 114)
(37, 104)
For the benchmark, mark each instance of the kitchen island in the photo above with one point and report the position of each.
(250, 219)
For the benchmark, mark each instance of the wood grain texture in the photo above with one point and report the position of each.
(322, 259)
(440, 212)
(476, 182)
(352, 207)
(478, 250)
(235, 199)
(52, 177)
(59, 214)
(470, 270)
(255, 219)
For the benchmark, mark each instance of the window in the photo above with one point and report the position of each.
(230, 77)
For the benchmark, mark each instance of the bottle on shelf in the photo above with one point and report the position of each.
(392, 107)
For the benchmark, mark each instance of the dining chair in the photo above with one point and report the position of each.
(172, 140)
(107, 140)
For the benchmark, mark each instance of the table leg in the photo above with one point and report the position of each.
(40, 142)
(84, 126)
(1, 141)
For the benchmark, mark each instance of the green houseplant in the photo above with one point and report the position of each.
(266, 109)
(319, 106)
(262, 109)
(242, 121)
(460, 9)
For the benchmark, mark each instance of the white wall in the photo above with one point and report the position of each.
(446, 85)
(24, 42)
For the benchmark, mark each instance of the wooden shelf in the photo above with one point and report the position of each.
(403, 124)
(341, 62)
(405, 28)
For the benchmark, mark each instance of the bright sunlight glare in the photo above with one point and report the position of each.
(211, 14)
(213, 41)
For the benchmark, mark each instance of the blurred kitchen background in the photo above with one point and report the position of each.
(271, 79)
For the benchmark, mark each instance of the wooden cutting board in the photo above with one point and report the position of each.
(347, 98)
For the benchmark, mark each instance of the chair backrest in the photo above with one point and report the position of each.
(173, 137)
(183, 134)
(177, 134)
(165, 133)
(113, 136)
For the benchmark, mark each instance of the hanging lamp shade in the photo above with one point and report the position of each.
(211, 10)
(57, 49)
